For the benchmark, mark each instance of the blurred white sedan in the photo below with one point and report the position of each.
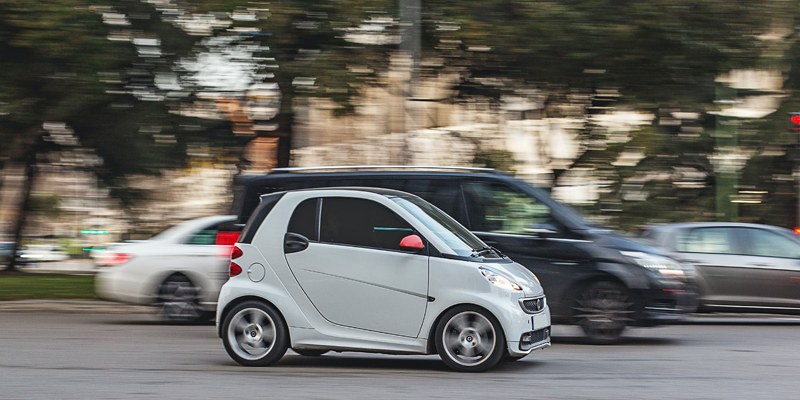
(179, 270)
(36, 253)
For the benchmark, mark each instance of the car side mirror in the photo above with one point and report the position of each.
(412, 242)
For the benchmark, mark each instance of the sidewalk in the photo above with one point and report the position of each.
(72, 307)
(61, 267)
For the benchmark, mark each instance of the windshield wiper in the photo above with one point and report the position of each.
(485, 250)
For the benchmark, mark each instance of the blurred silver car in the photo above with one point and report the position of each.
(740, 267)
(179, 270)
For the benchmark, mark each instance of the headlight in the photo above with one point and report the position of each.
(662, 265)
(498, 279)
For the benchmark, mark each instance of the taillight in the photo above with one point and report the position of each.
(116, 259)
(235, 269)
(236, 253)
(797, 231)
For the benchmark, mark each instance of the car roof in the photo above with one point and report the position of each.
(689, 225)
(380, 191)
(256, 179)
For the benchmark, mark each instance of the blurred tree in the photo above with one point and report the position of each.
(57, 64)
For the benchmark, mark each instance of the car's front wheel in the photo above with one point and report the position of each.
(254, 334)
(603, 310)
(469, 339)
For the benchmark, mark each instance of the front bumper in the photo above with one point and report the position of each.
(668, 303)
(531, 332)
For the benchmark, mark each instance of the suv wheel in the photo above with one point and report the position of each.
(254, 334)
(469, 339)
(603, 310)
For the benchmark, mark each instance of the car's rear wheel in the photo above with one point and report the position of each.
(254, 334)
(469, 339)
(603, 310)
(309, 352)
(179, 300)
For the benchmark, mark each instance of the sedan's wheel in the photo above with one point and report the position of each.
(179, 300)
(310, 353)
(254, 334)
(603, 310)
(469, 339)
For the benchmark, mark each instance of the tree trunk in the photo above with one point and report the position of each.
(22, 212)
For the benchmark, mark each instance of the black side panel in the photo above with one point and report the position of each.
(267, 204)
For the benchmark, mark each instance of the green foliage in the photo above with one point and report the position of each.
(652, 50)
(24, 286)
(501, 160)
(46, 205)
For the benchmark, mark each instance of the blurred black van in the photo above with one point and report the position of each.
(592, 277)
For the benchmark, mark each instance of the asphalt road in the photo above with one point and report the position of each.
(114, 356)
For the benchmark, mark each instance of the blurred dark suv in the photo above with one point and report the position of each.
(593, 277)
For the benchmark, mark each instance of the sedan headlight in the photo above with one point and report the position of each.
(662, 265)
(498, 279)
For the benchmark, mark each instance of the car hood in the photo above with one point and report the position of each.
(519, 274)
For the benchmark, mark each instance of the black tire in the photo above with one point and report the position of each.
(309, 352)
(469, 339)
(178, 300)
(603, 310)
(250, 325)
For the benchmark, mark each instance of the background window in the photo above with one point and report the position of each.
(361, 222)
(770, 244)
(207, 236)
(707, 240)
(494, 207)
(304, 218)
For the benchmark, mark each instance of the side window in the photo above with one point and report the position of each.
(770, 244)
(304, 219)
(496, 207)
(707, 240)
(205, 236)
(361, 222)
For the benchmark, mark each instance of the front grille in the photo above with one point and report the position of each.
(533, 306)
(530, 339)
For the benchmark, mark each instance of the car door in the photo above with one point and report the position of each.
(717, 255)
(524, 229)
(773, 267)
(353, 269)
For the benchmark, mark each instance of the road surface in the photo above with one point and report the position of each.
(115, 356)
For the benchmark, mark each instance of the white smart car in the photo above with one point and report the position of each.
(179, 270)
(374, 270)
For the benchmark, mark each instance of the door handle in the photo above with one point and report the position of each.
(759, 265)
(292, 243)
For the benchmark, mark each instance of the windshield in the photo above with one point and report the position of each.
(460, 240)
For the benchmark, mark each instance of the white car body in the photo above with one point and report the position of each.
(150, 262)
(330, 301)
(34, 253)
